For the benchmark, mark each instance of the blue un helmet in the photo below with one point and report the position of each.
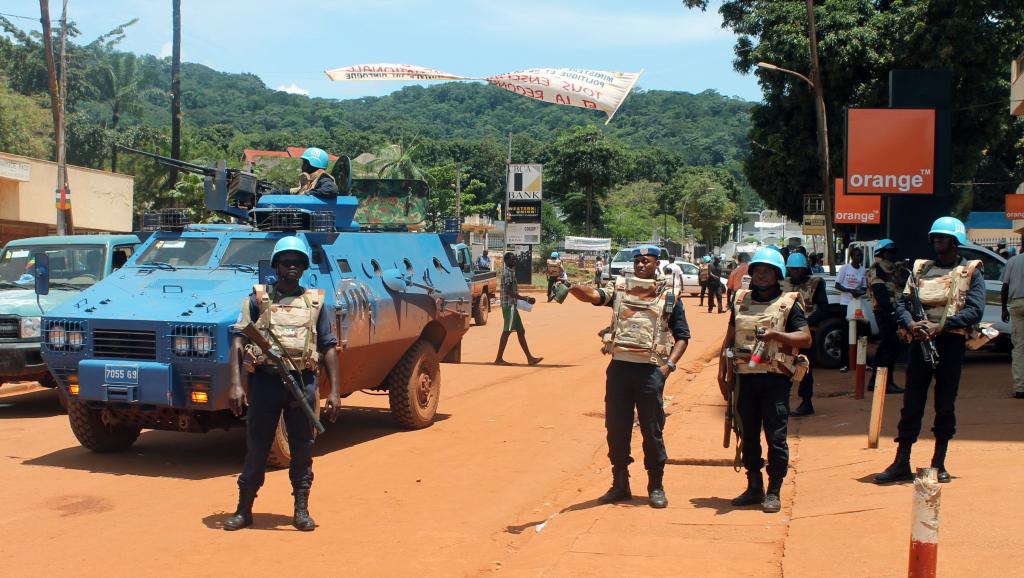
(950, 226)
(290, 244)
(797, 261)
(707, 258)
(554, 254)
(317, 157)
(884, 245)
(769, 257)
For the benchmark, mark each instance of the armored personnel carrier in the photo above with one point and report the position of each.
(150, 345)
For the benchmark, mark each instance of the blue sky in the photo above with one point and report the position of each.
(290, 44)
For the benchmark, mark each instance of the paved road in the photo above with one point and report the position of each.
(504, 483)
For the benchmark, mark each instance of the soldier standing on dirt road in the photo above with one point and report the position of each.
(764, 318)
(1012, 300)
(886, 281)
(815, 302)
(293, 318)
(647, 338)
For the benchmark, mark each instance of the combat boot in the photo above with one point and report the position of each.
(939, 460)
(754, 492)
(301, 520)
(619, 492)
(243, 514)
(899, 471)
(805, 408)
(655, 489)
(772, 502)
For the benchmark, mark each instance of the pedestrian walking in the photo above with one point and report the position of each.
(1012, 299)
(646, 339)
(513, 322)
(293, 319)
(714, 285)
(555, 271)
(815, 304)
(952, 294)
(735, 281)
(766, 330)
(886, 279)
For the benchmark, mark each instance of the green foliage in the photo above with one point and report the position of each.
(25, 124)
(712, 199)
(631, 212)
(583, 163)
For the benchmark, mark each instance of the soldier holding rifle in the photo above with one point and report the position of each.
(292, 329)
(950, 293)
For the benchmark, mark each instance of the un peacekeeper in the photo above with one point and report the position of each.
(292, 318)
(763, 313)
(555, 272)
(703, 275)
(314, 178)
(647, 337)
(815, 303)
(886, 280)
(952, 292)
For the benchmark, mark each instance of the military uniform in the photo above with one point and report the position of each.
(815, 303)
(703, 275)
(885, 283)
(554, 272)
(647, 321)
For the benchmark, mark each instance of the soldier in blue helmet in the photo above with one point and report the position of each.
(886, 279)
(815, 303)
(284, 313)
(314, 179)
(703, 277)
(952, 291)
(646, 339)
(758, 364)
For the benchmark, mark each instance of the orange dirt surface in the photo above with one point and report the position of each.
(504, 483)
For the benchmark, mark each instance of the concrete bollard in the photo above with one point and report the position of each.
(862, 360)
(924, 529)
(851, 340)
(877, 407)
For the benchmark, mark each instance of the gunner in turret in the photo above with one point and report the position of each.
(314, 179)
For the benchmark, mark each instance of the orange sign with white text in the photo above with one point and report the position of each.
(857, 209)
(890, 151)
(1014, 207)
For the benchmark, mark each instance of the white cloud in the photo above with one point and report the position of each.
(293, 89)
(165, 50)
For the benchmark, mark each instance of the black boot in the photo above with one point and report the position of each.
(655, 489)
(301, 520)
(891, 388)
(899, 471)
(619, 492)
(243, 514)
(754, 492)
(939, 460)
(806, 408)
(772, 502)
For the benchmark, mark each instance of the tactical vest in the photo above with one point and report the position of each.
(751, 315)
(703, 272)
(312, 181)
(885, 273)
(640, 319)
(554, 267)
(943, 290)
(806, 291)
(290, 323)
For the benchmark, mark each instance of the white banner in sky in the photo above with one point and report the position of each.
(390, 72)
(591, 89)
(588, 244)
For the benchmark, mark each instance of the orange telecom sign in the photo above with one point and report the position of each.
(857, 209)
(1014, 206)
(890, 151)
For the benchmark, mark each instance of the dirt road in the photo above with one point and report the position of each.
(504, 483)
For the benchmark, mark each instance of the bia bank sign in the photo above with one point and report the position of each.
(890, 151)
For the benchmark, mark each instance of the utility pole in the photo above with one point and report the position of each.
(458, 191)
(58, 90)
(175, 89)
(819, 100)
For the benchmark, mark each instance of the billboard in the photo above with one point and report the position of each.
(1014, 207)
(890, 151)
(524, 182)
(522, 234)
(856, 209)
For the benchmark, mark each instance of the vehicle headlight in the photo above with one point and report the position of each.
(202, 342)
(75, 339)
(58, 337)
(180, 345)
(30, 326)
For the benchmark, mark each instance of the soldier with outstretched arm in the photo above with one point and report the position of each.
(293, 320)
(647, 338)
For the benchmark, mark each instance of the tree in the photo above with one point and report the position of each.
(709, 196)
(117, 81)
(859, 42)
(396, 161)
(583, 163)
(630, 212)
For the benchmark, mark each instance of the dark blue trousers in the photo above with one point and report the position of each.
(269, 399)
(638, 385)
(764, 406)
(951, 348)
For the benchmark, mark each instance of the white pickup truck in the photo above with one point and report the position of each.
(831, 334)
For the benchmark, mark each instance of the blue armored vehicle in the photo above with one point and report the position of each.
(149, 347)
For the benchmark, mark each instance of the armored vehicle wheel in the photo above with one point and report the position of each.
(280, 455)
(414, 386)
(97, 432)
(482, 309)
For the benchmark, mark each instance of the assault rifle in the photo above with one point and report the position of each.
(283, 372)
(931, 354)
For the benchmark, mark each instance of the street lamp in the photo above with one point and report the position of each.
(819, 101)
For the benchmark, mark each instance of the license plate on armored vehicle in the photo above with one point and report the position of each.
(121, 374)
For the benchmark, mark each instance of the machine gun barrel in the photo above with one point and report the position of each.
(171, 162)
(287, 377)
(931, 354)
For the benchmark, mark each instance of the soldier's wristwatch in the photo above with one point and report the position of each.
(670, 365)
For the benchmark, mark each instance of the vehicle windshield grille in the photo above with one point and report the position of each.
(8, 327)
(124, 344)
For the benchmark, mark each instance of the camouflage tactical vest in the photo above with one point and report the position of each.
(292, 321)
(640, 319)
(703, 272)
(751, 315)
(943, 290)
(883, 272)
(805, 289)
(554, 267)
